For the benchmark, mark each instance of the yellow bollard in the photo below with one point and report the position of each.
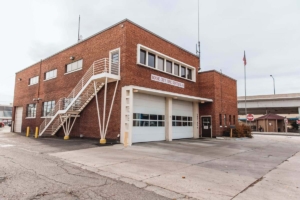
(36, 132)
(27, 131)
(66, 137)
(102, 141)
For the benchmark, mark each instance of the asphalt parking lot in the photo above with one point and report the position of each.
(264, 167)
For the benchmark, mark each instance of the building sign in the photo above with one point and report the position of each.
(166, 81)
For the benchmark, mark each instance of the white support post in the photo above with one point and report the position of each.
(195, 120)
(72, 123)
(99, 119)
(104, 110)
(168, 119)
(111, 105)
(62, 124)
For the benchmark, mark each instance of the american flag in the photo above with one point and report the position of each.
(244, 59)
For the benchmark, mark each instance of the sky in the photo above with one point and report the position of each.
(269, 32)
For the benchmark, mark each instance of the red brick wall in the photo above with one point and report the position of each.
(222, 89)
(126, 37)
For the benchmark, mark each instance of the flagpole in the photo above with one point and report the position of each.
(245, 87)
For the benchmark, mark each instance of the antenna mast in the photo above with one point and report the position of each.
(198, 45)
(78, 30)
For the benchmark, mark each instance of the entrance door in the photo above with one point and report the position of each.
(18, 119)
(206, 126)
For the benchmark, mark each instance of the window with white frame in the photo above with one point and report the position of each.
(160, 63)
(31, 110)
(74, 66)
(33, 80)
(156, 60)
(169, 66)
(47, 107)
(146, 120)
(50, 74)
(115, 61)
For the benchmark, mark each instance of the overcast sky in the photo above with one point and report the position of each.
(268, 30)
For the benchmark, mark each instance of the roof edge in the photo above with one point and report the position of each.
(213, 70)
(122, 21)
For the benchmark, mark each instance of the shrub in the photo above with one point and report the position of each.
(241, 131)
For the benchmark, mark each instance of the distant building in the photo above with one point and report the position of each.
(6, 114)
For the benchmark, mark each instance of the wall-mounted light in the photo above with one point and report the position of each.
(72, 57)
(36, 99)
(202, 101)
(19, 79)
(135, 90)
(174, 97)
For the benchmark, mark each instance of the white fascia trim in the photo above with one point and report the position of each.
(169, 94)
(139, 46)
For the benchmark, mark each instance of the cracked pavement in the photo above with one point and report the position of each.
(27, 171)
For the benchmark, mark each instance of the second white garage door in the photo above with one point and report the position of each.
(148, 118)
(182, 119)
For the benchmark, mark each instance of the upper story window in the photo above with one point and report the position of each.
(158, 61)
(47, 107)
(169, 67)
(183, 72)
(50, 74)
(31, 110)
(114, 65)
(176, 69)
(143, 57)
(189, 74)
(75, 66)
(151, 60)
(33, 80)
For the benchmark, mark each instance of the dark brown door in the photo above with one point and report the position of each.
(206, 126)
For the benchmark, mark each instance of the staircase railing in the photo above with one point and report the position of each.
(98, 67)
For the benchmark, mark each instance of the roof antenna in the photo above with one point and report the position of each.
(198, 45)
(79, 36)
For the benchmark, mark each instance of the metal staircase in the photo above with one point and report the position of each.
(101, 72)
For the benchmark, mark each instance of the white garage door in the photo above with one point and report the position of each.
(148, 118)
(182, 119)
(18, 119)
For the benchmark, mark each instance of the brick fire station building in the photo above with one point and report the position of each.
(124, 83)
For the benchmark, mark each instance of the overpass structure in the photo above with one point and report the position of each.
(277, 104)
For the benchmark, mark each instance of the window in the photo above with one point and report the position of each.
(47, 107)
(160, 64)
(169, 67)
(182, 121)
(143, 57)
(115, 61)
(33, 80)
(153, 120)
(233, 119)
(220, 119)
(51, 74)
(189, 74)
(31, 110)
(151, 60)
(229, 119)
(225, 122)
(74, 66)
(183, 72)
(176, 69)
